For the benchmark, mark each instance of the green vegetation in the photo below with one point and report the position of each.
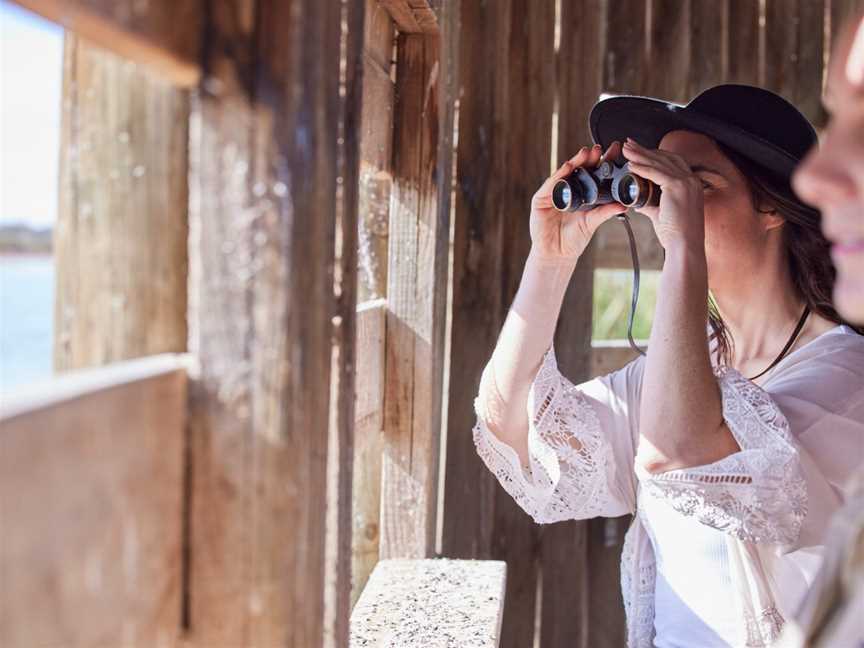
(612, 295)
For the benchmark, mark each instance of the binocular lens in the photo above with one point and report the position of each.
(629, 190)
(562, 196)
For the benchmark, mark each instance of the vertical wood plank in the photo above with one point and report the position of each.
(121, 234)
(668, 50)
(744, 42)
(368, 445)
(271, 237)
(417, 277)
(564, 546)
(498, 169)
(793, 53)
(709, 46)
(376, 153)
(625, 54)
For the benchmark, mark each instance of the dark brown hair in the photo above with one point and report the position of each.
(806, 248)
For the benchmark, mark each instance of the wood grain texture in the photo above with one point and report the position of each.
(91, 493)
(667, 50)
(161, 34)
(121, 234)
(744, 42)
(376, 152)
(416, 292)
(412, 16)
(610, 355)
(502, 156)
(625, 51)
(368, 443)
(793, 53)
(273, 313)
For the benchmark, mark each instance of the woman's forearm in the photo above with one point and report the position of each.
(524, 339)
(681, 421)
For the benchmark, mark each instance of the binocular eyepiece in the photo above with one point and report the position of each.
(584, 189)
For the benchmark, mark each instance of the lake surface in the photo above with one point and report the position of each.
(26, 319)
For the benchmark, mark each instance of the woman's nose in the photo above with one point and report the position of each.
(822, 179)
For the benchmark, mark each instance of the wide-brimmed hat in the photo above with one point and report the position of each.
(754, 122)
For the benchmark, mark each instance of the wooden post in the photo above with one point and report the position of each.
(376, 152)
(121, 234)
(744, 42)
(274, 302)
(503, 154)
(416, 310)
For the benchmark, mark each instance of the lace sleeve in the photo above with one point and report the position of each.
(757, 494)
(571, 464)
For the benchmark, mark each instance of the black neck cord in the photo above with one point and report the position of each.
(798, 327)
(634, 255)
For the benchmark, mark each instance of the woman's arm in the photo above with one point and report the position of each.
(557, 241)
(681, 416)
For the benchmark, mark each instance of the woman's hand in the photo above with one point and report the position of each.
(680, 218)
(563, 236)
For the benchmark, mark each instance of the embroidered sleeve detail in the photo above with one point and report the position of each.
(757, 494)
(566, 477)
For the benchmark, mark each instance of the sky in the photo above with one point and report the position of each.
(31, 64)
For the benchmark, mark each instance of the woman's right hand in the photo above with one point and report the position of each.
(563, 236)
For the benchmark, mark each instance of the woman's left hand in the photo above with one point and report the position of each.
(680, 218)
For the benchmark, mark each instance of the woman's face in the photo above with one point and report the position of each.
(832, 176)
(736, 234)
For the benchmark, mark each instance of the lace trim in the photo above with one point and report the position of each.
(758, 494)
(569, 459)
(638, 592)
(763, 629)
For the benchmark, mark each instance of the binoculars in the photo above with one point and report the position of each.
(586, 188)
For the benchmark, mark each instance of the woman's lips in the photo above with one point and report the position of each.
(848, 247)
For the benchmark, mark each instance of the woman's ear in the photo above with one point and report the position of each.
(770, 218)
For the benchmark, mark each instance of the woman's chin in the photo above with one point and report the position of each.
(849, 298)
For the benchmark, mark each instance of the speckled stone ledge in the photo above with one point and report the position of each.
(435, 603)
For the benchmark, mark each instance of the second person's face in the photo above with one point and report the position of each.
(832, 176)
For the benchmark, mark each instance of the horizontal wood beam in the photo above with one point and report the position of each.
(163, 34)
(432, 602)
(412, 16)
(609, 355)
(612, 247)
(91, 493)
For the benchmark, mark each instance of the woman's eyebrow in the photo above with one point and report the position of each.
(701, 167)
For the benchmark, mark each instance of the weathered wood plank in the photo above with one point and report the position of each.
(744, 39)
(122, 229)
(368, 442)
(497, 170)
(563, 546)
(157, 33)
(625, 54)
(667, 49)
(91, 490)
(709, 46)
(412, 16)
(793, 53)
(420, 603)
(376, 152)
(272, 328)
(416, 292)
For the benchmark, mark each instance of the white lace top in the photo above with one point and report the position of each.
(801, 436)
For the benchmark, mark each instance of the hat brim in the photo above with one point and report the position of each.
(648, 120)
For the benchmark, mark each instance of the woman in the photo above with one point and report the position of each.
(732, 479)
(832, 178)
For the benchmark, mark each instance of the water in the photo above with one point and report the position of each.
(26, 319)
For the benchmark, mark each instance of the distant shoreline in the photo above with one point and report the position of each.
(18, 239)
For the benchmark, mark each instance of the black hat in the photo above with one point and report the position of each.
(754, 122)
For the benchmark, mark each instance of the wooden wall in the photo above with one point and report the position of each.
(432, 124)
